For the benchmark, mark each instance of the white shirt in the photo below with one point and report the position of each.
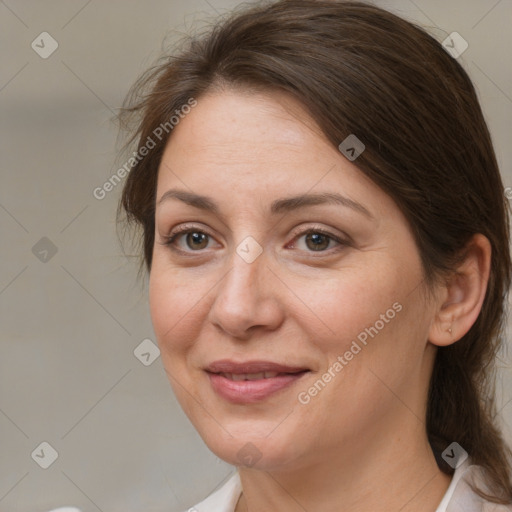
(459, 496)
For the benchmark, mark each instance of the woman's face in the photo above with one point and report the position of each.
(298, 274)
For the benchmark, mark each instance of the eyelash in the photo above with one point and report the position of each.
(186, 229)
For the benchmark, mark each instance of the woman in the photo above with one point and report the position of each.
(326, 235)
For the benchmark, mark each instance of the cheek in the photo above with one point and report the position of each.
(174, 306)
(372, 350)
(369, 325)
(343, 307)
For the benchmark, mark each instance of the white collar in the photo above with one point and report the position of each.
(454, 485)
(223, 499)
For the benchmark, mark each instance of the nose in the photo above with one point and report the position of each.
(247, 299)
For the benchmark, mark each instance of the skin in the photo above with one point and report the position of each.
(360, 444)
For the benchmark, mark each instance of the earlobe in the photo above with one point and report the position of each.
(462, 296)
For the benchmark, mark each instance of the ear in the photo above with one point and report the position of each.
(460, 299)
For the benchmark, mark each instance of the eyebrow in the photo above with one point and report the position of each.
(284, 205)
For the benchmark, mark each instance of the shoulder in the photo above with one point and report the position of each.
(461, 497)
(223, 499)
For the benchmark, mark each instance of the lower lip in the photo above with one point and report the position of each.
(251, 391)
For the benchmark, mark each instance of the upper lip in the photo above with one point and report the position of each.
(227, 366)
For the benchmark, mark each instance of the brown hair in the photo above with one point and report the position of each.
(361, 70)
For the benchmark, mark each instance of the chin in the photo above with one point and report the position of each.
(252, 450)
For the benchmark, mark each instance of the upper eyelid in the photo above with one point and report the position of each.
(187, 228)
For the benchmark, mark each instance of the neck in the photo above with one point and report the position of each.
(368, 476)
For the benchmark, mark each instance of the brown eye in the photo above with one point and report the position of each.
(196, 240)
(188, 239)
(317, 241)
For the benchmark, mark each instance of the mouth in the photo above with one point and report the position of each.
(254, 376)
(251, 381)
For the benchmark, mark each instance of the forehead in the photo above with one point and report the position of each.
(246, 147)
(238, 121)
(246, 132)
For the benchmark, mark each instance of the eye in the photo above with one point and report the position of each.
(187, 239)
(195, 239)
(319, 240)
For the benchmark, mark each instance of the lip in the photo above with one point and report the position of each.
(251, 391)
(228, 366)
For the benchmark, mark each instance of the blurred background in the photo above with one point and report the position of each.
(87, 416)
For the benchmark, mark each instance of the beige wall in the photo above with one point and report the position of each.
(70, 325)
